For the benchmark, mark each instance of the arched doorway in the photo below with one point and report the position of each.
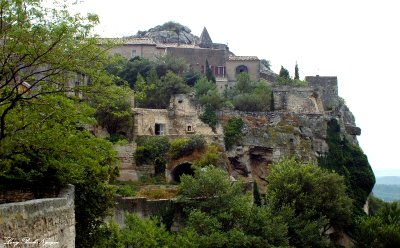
(180, 169)
(241, 68)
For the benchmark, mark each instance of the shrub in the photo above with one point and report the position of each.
(249, 102)
(233, 132)
(151, 149)
(211, 157)
(183, 147)
(126, 190)
(195, 142)
(209, 117)
(177, 147)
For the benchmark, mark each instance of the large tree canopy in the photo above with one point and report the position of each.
(318, 198)
(51, 76)
(43, 51)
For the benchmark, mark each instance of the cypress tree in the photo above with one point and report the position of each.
(296, 72)
(209, 74)
(284, 73)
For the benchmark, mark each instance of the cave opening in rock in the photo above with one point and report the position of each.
(181, 169)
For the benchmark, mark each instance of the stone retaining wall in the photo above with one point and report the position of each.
(49, 222)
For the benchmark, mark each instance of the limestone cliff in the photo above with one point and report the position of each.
(297, 127)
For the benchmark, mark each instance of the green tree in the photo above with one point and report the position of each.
(381, 229)
(145, 233)
(209, 73)
(212, 99)
(233, 132)
(158, 95)
(221, 215)
(296, 72)
(266, 63)
(284, 73)
(243, 83)
(203, 86)
(318, 198)
(170, 63)
(191, 77)
(44, 142)
(209, 117)
(114, 110)
(171, 84)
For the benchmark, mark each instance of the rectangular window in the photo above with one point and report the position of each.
(189, 129)
(159, 129)
(134, 53)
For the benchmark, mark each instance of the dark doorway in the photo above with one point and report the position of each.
(180, 169)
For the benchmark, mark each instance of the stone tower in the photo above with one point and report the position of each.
(205, 40)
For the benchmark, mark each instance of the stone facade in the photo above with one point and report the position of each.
(127, 165)
(50, 221)
(328, 86)
(237, 64)
(181, 119)
(298, 100)
(132, 47)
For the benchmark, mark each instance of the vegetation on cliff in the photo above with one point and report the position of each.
(349, 161)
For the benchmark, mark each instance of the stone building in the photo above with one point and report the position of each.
(223, 63)
(180, 119)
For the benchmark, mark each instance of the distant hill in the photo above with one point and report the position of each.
(393, 180)
(387, 188)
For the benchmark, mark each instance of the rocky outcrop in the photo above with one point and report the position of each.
(169, 32)
(291, 132)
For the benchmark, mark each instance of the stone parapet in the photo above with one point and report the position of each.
(50, 221)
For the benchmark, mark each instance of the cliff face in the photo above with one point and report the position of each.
(297, 128)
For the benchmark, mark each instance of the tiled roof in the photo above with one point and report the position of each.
(165, 45)
(128, 41)
(243, 58)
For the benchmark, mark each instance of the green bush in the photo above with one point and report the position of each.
(233, 132)
(126, 190)
(209, 117)
(177, 147)
(211, 157)
(151, 149)
(184, 147)
(250, 102)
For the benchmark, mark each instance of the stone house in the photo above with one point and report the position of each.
(179, 120)
(223, 63)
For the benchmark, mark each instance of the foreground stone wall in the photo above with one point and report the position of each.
(50, 221)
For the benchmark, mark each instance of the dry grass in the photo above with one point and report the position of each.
(157, 193)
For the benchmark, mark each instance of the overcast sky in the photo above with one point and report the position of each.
(357, 41)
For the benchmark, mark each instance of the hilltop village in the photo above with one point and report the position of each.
(215, 148)
(296, 127)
